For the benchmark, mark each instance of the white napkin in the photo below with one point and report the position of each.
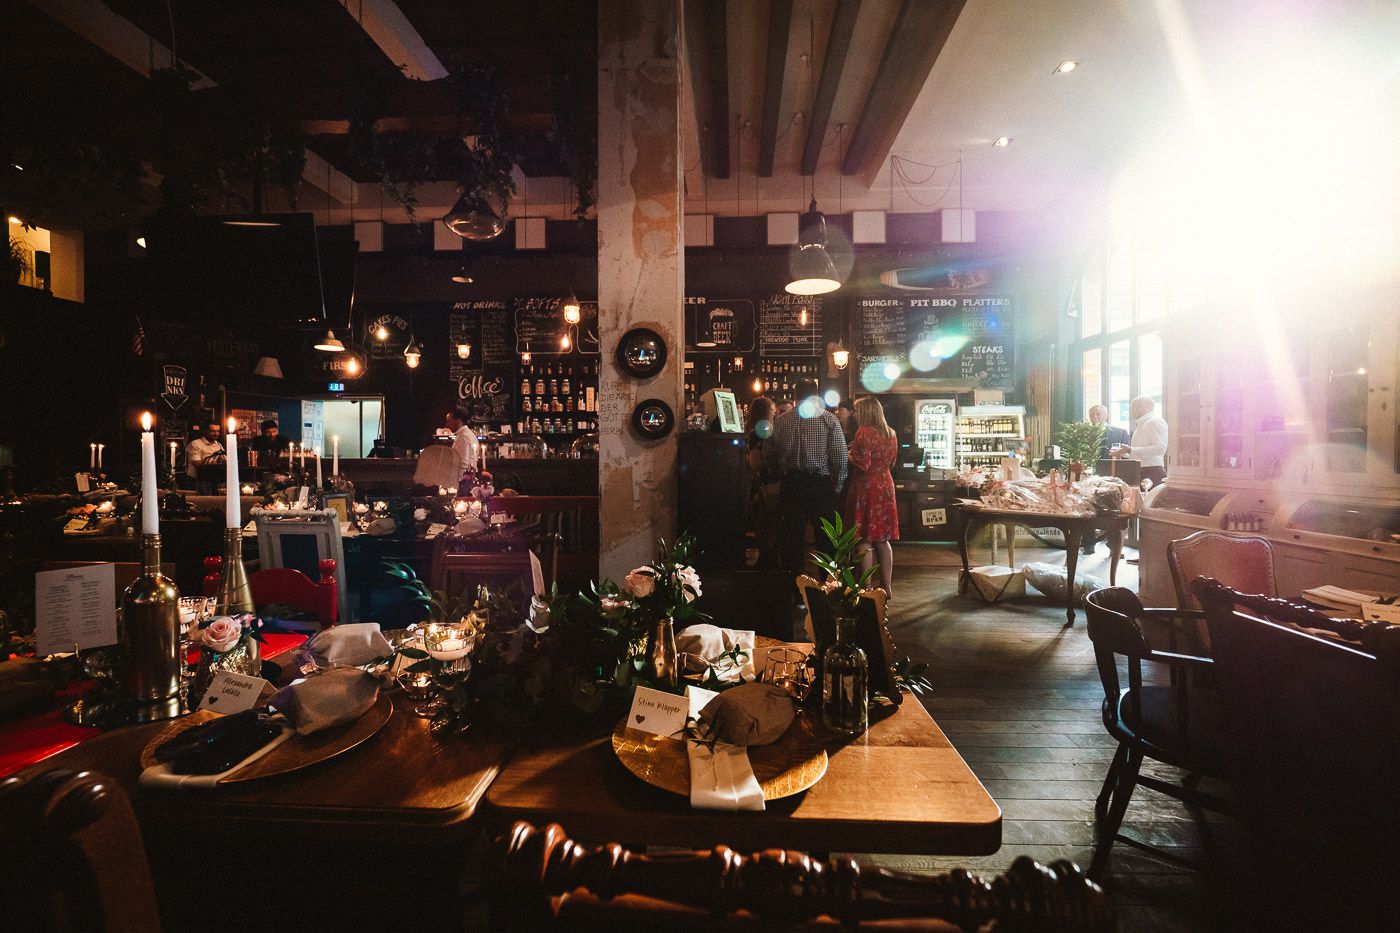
(709, 642)
(160, 775)
(721, 777)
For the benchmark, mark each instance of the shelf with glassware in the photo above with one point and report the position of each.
(557, 399)
(984, 434)
(747, 375)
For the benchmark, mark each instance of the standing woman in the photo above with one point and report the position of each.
(870, 505)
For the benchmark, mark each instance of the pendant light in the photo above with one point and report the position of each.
(473, 217)
(813, 272)
(463, 275)
(412, 354)
(573, 311)
(841, 357)
(464, 350)
(526, 357)
(330, 343)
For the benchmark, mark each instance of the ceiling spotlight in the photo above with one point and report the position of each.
(841, 357)
(331, 343)
(1065, 67)
(565, 343)
(573, 312)
(802, 317)
(813, 272)
(464, 350)
(15, 220)
(16, 166)
(1003, 141)
(463, 275)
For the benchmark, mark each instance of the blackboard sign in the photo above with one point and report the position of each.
(485, 325)
(489, 395)
(498, 336)
(781, 328)
(719, 325)
(540, 327)
(386, 335)
(966, 340)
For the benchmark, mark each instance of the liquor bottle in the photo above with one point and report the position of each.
(539, 383)
(564, 386)
(568, 403)
(525, 405)
(553, 384)
(525, 383)
(150, 638)
(844, 684)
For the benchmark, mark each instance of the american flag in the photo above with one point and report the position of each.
(138, 340)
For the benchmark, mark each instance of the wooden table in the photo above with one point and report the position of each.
(901, 787)
(1073, 527)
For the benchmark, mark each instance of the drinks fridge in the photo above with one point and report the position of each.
(933, 430)
(986, 433)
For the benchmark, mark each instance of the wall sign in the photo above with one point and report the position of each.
(540, 327)
(174, 379)
(715, 325)
(781, 331)
(965, 340)
(487, 396)
(386, 336)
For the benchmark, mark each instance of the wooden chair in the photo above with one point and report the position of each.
(1242, 562)
(1176, 724)
(1316, 719)
(301, 541)
(123, 572)
(70, 843)
(544, 880)
(284, 586)
(871, 633)
(556, 524)
(511, 567)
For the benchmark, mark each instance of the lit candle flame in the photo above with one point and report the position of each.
(146, 420)
(232, 425)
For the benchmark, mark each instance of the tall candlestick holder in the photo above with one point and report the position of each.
(234, 595)
(150, 639)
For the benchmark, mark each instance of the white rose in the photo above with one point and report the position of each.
(640, 583)
(690, 579)
(221, 635)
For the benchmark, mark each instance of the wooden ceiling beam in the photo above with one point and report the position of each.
(430, 125)
(779, 31)
(385, 24)
(707, 55)
(920, 32)
(838, 43)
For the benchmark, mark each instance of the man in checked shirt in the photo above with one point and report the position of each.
(808, 451)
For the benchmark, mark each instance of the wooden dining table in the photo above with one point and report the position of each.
(900, 787)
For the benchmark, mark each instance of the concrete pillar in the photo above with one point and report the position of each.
(641, 266)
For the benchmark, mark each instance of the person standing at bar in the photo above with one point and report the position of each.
(269, 441)
(464, 442)
(1149, 441)
(870, 505)
(808, 451)
(1112, 434)
(204, 449)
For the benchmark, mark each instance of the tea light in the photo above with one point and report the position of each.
(448, 649)
(460, 507)
(381, 506)
(248, 489)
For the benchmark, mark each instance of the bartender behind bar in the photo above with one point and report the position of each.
(464, 442)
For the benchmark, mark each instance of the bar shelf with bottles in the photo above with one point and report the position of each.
(557, 399)
(747, 376)
(986, 433)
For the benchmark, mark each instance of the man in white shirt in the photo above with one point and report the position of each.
(204, 449)
(1149, 443)
(464, 442)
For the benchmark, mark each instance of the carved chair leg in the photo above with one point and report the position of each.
(1107, 830)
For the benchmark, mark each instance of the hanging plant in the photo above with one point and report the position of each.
(576, 129)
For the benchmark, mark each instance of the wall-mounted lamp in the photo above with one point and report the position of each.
(573, 311)
(464, 350)
(840, 357)
(412, 354)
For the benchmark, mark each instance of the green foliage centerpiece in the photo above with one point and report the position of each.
(1080, 442)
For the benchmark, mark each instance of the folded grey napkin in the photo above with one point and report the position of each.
(346, 645)
(333, 698)
(749, 714)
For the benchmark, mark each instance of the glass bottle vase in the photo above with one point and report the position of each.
(845, 681)
(661, 665)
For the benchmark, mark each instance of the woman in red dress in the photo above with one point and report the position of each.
(870, 505)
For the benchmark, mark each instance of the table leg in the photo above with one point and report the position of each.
(1010, 545)
(1115, 550)
(962, 551)
(1073, 538)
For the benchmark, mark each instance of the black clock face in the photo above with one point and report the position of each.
(641, 352)
(653, 419)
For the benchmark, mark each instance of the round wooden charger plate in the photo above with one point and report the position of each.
(300, 751)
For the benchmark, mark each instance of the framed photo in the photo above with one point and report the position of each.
(728, 413)
(339, 502)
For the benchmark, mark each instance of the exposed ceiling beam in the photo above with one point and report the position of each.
(838, 43)
(919, 34)
(707, 56)
(126, 42)
(433, 125)
(116, 35)
(384, 22)
(779, 29)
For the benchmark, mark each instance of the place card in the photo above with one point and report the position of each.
(84, 482)
(232, 693)
(1375, 612)
(72, 607)
(657, 712)
(435, 529)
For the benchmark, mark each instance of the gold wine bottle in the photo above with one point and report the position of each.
(150, 638)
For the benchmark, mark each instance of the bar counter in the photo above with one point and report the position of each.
(531, 477)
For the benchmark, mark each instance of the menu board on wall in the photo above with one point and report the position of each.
(386, 335)
(781, 327)
(484, 379)
(966, 340)
(466, 324)
(719, 325)
(540, 327)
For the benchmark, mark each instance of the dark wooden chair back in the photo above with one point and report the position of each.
(70, 843)
(124, 572)
(545, 880)
(1115, 631)
(565, 525)
(1242, 562)
(1317, 719)
(285, 586)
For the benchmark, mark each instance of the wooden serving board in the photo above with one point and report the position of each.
(300, 751)
(788, 766)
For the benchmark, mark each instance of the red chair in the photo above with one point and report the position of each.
(285, 586)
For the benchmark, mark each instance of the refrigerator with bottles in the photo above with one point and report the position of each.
(934, 430)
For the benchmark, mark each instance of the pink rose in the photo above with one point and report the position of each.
(640, 583)
(223, 634)
(691, 580)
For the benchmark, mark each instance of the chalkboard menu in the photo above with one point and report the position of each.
(486, 326)
(967, 340)
(540, 327)
(386, 334)
(719, 325)
(781, 331)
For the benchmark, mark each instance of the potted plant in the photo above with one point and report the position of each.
(14, 262)
(1080, 443)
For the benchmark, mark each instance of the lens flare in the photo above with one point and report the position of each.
(873, 377)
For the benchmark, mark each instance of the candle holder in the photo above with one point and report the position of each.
(234, 595)
(150, 638)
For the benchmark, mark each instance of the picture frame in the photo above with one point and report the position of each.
(730, 422)
(339, 502)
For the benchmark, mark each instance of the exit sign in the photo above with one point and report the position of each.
(336, 387)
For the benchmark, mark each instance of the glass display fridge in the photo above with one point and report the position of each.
(986, 433)
(933, 430)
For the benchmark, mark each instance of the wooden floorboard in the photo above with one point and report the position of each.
(1018, 693)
